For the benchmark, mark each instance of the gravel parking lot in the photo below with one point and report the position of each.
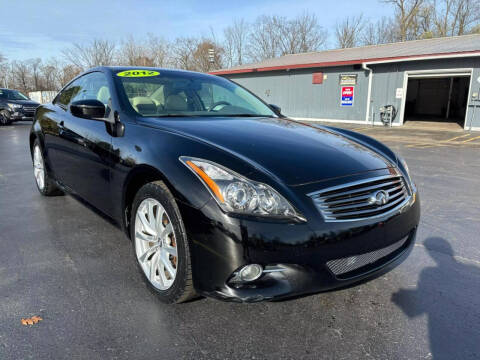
(73, 268)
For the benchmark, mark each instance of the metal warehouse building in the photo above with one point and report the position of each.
(424, 80)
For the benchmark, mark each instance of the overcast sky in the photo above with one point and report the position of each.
(36, 28)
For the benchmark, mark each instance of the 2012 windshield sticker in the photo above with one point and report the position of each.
(138, 73)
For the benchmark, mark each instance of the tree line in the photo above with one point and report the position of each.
(412, 20)
(268, 36)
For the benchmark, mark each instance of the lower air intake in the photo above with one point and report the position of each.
(345, 265)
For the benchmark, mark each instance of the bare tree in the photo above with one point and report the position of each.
(406, 12)
(236, 37)
(229, 52)
(301, 34)
(475, 29)
(35, 65)
(22, 76)
(4, 73)
(50, 73)
(455, 17)
(150, 52)
(348, 32)
(67, 73)
(134, 53)
(182, 52)
(273, 36)
(159, 51)
(423, 24)
(382, 31)
(207, 56)
(96, 53)
(265, 38)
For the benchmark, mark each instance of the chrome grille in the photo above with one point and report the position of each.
(29, 109)
(362, 199)
(345, 265)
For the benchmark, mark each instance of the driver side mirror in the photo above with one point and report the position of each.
(276, 109)
(88, 109)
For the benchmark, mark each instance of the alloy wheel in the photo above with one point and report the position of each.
(155, 244)
(38, 167)
(3, 119)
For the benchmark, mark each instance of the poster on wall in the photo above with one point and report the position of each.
(347, 96)
(347, 79)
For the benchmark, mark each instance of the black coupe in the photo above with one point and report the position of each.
(220, 194)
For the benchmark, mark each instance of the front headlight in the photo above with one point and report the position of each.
(237, 194)
(14, 106)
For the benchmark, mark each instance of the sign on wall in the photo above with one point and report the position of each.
(347, 96)
(347, 79)
(399, 93)
(317, 78)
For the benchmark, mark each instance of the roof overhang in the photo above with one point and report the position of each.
(370, 61)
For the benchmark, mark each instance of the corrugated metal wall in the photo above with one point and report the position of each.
(294, 92)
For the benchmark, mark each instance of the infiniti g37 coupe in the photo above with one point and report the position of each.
(220, 194)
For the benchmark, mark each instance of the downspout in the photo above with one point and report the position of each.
(369, 91)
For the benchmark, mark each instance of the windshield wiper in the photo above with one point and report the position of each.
(246, 115)
(169, 115)
(210, 115)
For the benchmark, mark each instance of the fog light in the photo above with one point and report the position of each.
(250, 272)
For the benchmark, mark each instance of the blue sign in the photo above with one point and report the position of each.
(347, 96)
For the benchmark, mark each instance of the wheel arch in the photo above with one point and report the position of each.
(137, 177)
(32, 138)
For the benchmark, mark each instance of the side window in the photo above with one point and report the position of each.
(94, 86)
(64, 98)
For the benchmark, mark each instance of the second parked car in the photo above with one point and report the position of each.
(15, 106)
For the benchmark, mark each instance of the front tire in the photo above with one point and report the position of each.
(160, 244)
(4, 118)
(45, 184)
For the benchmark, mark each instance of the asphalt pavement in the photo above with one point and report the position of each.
(74, 269)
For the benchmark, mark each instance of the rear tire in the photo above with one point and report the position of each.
(4, 118)
(45, 184)
(160, 244)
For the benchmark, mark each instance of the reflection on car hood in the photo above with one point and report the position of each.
(23, 102)
(294, 152)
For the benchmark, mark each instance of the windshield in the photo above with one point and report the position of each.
(12, 95)
(188, 94)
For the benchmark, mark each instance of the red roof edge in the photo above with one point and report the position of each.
(332, 63)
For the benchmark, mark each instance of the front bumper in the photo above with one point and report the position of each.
(222, 244)
(21, 116)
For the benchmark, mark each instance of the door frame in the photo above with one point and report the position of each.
(437, 73)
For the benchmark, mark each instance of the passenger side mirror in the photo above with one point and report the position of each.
(88, 109)
(276, 109)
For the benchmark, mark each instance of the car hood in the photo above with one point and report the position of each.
(24, 102)
(295, 153)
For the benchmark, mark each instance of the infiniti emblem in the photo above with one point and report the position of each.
(379, 198)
